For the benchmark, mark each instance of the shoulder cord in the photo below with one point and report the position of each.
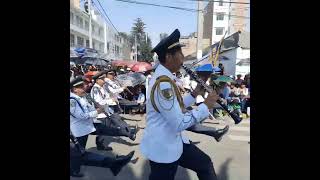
(78, 104)
(176, 90)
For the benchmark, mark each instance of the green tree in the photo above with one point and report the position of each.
(143, 41)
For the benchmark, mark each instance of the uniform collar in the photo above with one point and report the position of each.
(74, 95)
(164, 71)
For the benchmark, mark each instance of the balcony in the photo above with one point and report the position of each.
(79, 30)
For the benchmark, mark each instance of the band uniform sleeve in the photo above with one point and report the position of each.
(188, 100)
(115, 88)
(78, 113)
(96, 95)
(168, 105)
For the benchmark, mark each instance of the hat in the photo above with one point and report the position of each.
(76, 82)
(168, 43)
(99, 74)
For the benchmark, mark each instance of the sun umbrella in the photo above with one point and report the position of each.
(141, 67)
(91, 73)
(223, 78)
(73, 54)
(131, 79)
(96, 62)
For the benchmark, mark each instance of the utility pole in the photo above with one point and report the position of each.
(90, 26)
(200, 29)
(136, 47)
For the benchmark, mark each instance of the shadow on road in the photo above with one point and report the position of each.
(223, 172)
(127, 172)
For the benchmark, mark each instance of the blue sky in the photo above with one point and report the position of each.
(157, 19)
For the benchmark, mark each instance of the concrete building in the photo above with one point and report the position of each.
(105, 38)
(239, 16)
(235, 55)
(220, 17)
(215, 21)
(190, 43)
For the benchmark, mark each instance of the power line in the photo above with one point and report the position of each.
(158, 5)
(107, 16)
(173, 7)
(231, 2)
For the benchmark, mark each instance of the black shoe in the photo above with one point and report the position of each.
(133, 132)
(132, 136)
(120, 162)
(220, 133)
(76, 174)
(104, 148)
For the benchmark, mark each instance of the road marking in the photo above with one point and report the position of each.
(239, 138)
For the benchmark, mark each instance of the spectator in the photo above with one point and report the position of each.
(233, 90)
(222, 68)
(225, 93)
(239, 80)
(247, 80)
(140, 99)
(243, 94)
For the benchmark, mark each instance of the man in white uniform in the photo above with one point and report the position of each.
(163, 142)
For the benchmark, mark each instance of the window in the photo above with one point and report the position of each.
(80, 41)
(87, 43)
(71, 18)
(86, 25)
(220, 16)
(81, 23)
(220, 3)
(78, 21)
(219, 31)
(108, 46)
(93, 45)
(72, 40)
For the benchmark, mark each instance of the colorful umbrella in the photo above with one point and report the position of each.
(141, 67)
(131, 79)
(223, 78)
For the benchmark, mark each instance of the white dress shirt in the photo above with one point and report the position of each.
(82, 114)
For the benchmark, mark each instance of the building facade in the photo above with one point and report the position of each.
(216, 20)
(190, 43)
(105, 39)
(239, 16)
(220, 17)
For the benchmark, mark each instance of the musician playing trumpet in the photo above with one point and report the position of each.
(163, 142)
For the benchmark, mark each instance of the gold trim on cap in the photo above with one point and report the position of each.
(173, 45)
(78, 83)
